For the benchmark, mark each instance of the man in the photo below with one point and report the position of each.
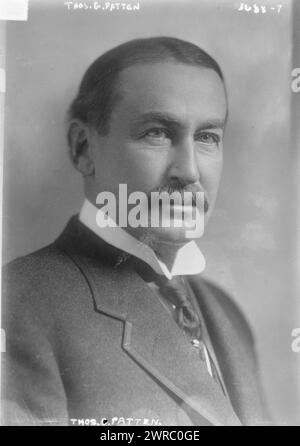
(93, 329)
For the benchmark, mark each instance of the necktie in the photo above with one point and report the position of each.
(175, 291)
(186, 316)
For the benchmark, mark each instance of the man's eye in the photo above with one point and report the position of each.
(208, 138)
(157, 134)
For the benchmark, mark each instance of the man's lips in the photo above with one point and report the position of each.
(191, 205)
(184, 207)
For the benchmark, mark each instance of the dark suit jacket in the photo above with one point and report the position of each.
(87, 340)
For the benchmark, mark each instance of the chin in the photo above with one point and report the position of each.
(176, 236)
(169, 236)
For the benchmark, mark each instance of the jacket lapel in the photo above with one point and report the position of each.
(154, 341)
(234, 350)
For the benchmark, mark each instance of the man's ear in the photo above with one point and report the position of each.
(79, 149)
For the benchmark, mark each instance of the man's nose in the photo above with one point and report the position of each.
(183, 164)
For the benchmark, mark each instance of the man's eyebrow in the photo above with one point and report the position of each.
(212, 124)
(167, 118)
(156, 116)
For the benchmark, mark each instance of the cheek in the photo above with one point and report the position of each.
(145, 169)
(140, 169)
(210, 180)
(210, 175)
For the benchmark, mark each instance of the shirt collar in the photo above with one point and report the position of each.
(189, 259)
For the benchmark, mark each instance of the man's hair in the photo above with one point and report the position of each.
(98, 92)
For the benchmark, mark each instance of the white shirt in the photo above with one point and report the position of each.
(188, 260)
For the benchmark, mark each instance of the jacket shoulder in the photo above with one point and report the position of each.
(44, 283)
(42, 267)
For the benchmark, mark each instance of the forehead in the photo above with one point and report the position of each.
(192, 93)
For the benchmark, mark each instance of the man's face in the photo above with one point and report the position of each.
(166, 130)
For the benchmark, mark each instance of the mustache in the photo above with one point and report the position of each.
(180, 188)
